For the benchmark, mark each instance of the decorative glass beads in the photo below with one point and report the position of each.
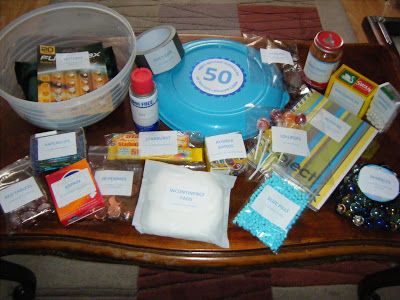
(352, 203)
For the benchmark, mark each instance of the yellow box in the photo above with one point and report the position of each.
(351, 90)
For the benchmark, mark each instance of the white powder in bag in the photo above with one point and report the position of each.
(180, 203)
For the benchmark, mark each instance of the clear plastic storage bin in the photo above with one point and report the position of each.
(66, 24)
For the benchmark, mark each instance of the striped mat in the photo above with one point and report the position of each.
(168, 285)
(282, 20)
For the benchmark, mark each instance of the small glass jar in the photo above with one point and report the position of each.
(322, 59)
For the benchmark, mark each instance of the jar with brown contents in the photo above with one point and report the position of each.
(323, 58)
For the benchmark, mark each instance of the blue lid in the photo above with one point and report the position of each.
(217, 87)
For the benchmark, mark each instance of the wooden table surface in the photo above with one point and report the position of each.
(317, 236)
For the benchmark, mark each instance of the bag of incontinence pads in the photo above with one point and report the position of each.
(181, 203)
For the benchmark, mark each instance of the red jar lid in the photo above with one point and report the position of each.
(328, 41)
(142, 81)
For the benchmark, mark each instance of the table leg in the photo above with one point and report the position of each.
(372, 282)
(26, 278)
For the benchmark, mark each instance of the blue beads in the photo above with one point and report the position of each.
(355, 207)
(352, 188)
(266, 231)
(363, 211)
(377, 213)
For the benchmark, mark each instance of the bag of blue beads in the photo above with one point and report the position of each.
(273, 209)
(52, 150)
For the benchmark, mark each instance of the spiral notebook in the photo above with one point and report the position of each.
(336, 139)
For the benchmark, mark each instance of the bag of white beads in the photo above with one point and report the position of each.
(23, 195)
(180, 203)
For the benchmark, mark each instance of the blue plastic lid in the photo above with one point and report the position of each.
(217, 88)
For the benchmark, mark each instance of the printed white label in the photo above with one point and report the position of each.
(19, 194)
(225, 146)
(217, 76)
(46, 133)
(329, 124)
(317, 70)
(114, 182)
(57, 146)
(275, 207)
(383, 106)
(144, 110)
(185, 198)
(164, 58)
(153, 143)
(73, 187)
(273, 56)
(72, 61)
(289, 140)
(345, 98)
(378, 183)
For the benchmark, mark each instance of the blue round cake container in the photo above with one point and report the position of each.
(220, 86)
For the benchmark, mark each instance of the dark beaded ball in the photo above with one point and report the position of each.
(362, 211)
(352, 188)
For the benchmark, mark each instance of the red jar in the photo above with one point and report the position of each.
(323, 58)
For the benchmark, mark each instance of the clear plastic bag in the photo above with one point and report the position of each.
(179, 203)
(292, 72)
(53, 150)
(119, 182)
(23, 195)
(273, 209)
(274, 82)
(190, 149)
(260, 156)
(226, 153)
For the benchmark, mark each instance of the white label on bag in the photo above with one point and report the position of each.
(275, 207)
(46, 133)
(164, 58)
(114, 182)
(289, 140)
(153, 143)
(273, 56)
(19, 194)
(329, 124)
(185, 198)
(73, 187)
(217, 77)
(225, 146)
(378, 183)
(72, 61)
(57, 146)
(348, 100)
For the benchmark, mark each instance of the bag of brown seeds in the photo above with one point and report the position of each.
(119, 183)
(23, 196)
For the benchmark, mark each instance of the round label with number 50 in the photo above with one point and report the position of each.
(217, 77)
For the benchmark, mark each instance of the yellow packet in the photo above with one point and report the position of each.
(351, 90)
(132, 152)
(131, 138)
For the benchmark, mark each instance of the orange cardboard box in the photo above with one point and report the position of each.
(74, 192)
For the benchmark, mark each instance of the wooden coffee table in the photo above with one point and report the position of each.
(317, 236)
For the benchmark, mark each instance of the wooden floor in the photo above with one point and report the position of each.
(356, 10)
